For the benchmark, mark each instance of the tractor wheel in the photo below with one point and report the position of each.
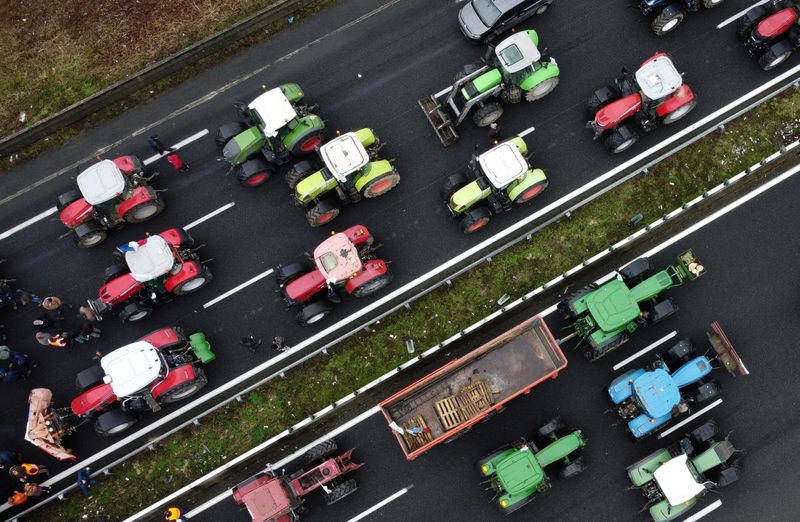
(90, 234)
(511, 94)
(67, 198)
(524, 502)
(726, 475)
(541, 9)
(113, 422)
(184, 389)
(551, 427)
(321, 213)
(592, 354)
(313, 313)
(574, 468)
(298, 172)
(705, 392)
(746, 23)
(565, 306)
(373, 285)
(705, 433)
(135, 312)
(285, 274)
(451, 185)
(677, 354)
(466, 71)
(475, 220)
(708, 4)
(636, 271)
(381, 185)
(307, 143)
(679, 113)
(187, 241)
(776, 54)
(488, 114)
(228, 131)
(89, 378)
(252, 178)
(194, 284)
(542, 89)
(531, 192)
(666, 21)
(144, 211)
(661, 310)
(617, 142)
(324, 449)
(342, 490)
(600, 98)
(114, 271)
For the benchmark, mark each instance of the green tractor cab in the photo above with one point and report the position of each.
(277, 128)
(516, 473)
(492, 183)
(605, 316)
(351, 170)
(514, 69)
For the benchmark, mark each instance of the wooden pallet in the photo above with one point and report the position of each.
(468, 403)
(415, 441)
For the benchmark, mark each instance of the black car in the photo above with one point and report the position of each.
(482, 20)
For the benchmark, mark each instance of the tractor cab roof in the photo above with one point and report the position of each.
(503, 164)
(344, 155)
(131, 368)
(337, 258)
(676, 481)
(517, 52)
(658, 77)
(519, 472)
(612, 306)
(273, 111)
(101, 182)
(152, 258)
(657, 392)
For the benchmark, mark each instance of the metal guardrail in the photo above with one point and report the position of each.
(404, 297)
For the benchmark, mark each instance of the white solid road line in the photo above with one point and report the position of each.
(690, 418)
(705, 511)
(177, 146)
(526, 132)
(739, 14)
(235, 289)
(208, 216)
(645, 350)
(379, 505)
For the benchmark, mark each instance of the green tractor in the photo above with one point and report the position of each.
(606, 315)
(351, 170)
(277, 128)
(514, 69)
(492, 183)
(671, 479)
(516, 472)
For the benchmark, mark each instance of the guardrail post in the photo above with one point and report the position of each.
(151, 447)
(106, 472)
(721, 128)
(407, 306)
(325, 351)
(196, 422)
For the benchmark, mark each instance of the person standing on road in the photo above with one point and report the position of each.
(250, 342)
(157, 146)
(494, 132)
(32, 489)
(177, 162)
(17, 498)
(25, 470)
(173, 514)
(278, 344)
(85, 481)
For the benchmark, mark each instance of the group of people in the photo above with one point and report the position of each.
(24, 476)
(50, 328)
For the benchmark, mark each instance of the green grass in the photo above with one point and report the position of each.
(272, 408)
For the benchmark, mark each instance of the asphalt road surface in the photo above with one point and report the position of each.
(365, 74)
(750, 288)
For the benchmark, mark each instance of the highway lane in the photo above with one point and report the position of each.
(403, 52)
(751, 288)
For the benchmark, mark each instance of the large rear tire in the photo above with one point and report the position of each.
(89, 378)
(185, 389)
(777, 53)
(574, 468)
(666, 21)
(746, 23)
(451, 186)
(342, 490)
(114, 271)
(324, 449)
(285, 274)
(65, 199)
(488, 114)
(298, 172)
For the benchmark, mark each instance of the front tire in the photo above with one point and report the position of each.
(90, 234)
(542, 89)
(475, 220)
(144, 211)
(113, 422)
(313, 313)
(373, 285)
(665, 22)
(381, 185)
(488, 114)
(617, 141)
(321, 213)
(307, 143)
(679, 113)
(194, 284)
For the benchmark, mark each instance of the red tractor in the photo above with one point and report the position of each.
(110, 193)
(160, 368)
(638, 102)
(270, 497)
(155, 268)
(771, 32)
(343, 265)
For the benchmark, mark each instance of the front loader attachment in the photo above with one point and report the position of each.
(439, 120)
(725, 353)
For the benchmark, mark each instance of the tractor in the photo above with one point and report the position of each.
(492, 183)
(342, 265)
(677, 383)
(771, 32)
(110, 193)
(515, 473)
(512, 70)
(351, 170)
(273, 497)
(160, 368)
(639, 102)
(667, 14)
(277, 129)
(672, 479)
(605, 316)
(153, 270)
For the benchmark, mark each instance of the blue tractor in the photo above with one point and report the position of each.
(667, 14)
(677, 383)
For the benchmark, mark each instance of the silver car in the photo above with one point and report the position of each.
(482, 20)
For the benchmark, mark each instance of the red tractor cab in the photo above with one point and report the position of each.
(639, 102)
(343, 265)
(159, 368)
(771, 32)
(270, 497)
(110, 193)
(153, 270)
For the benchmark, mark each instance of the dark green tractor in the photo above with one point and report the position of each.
(277, 129)
(604, 316)
(516, 473)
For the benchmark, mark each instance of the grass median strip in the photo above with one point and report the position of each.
(281, 403)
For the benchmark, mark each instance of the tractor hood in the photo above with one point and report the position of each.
(312, 186)
(236, 150)
(471, 24)
(612, 306)
(520, 472)
(466, 196)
